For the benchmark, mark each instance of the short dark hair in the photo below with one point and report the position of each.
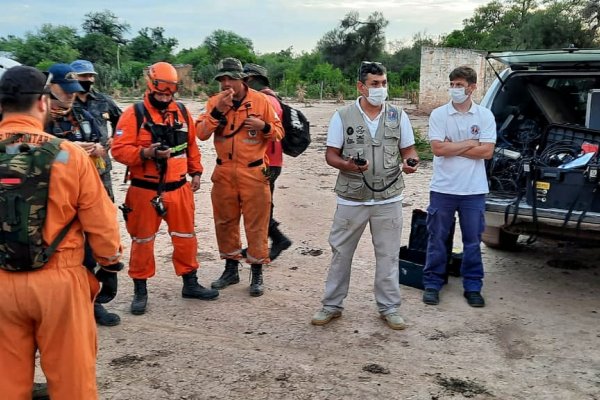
(370, 67)
(464, 72)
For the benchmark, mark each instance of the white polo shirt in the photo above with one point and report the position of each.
(460, 175)
(335, 138)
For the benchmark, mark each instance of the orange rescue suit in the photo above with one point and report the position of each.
(240, 184)
(143, 221)
(51, 309)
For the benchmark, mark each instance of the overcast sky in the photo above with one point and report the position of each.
(271, 25)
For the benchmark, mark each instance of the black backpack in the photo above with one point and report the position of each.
(24, 185)
(297, 131)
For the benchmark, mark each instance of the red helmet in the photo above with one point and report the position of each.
(162, 78)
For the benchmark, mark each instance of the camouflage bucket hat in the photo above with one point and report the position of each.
(256, 70)
(231, 67)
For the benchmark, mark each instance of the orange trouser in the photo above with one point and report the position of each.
(143, 223)
(51, 310)
(237, 191)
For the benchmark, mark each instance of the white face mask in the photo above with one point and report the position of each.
(458, 95)
(377, 95)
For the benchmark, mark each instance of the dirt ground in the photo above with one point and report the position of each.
(537, 338)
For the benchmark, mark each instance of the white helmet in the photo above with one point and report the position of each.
(6, 63)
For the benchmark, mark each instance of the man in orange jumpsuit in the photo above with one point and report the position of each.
(243, 123)
(159, 154)
(51, 308)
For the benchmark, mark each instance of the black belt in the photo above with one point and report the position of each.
(255, 163)
(168, 187)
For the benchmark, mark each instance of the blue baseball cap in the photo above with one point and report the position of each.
(83, 67)
(66, 77)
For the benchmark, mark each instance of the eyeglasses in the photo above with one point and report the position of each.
(165, 86)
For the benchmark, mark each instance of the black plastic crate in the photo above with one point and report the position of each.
(568, 189)
(411, 267)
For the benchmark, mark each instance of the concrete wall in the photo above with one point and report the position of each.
(436, 64)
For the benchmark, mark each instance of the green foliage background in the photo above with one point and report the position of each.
(329, 71)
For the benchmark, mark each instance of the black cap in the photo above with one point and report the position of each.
(23, 80)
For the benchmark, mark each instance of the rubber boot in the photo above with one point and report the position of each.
(193, 290)
(256, 282)
(104, 317)
(279, 242)
(229, 277)
(140, 297)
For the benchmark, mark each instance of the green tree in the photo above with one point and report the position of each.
(151, 46)
(200, 60)
(106, 23)
(50, 44)
(522, 24)
(354, 41)
(221, 44)
(98, 48)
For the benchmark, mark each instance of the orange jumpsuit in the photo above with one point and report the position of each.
(51, 309)
(143, 221)
(240, 185)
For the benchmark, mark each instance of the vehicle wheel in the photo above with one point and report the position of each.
(497, 238)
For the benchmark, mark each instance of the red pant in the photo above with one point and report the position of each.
(241, 191)
(51, 310)
(143, 223)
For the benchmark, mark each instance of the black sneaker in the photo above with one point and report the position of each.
(475, 299)
(431, 297)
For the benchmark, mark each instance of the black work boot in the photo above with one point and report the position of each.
(279, 242)
(140, 297)
(256, 283)
(193, 290)
(104, 317)
(229, 277)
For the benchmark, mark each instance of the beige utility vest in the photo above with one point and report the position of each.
(382, 152)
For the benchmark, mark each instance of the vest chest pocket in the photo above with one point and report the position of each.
(391, 157)
(392, 127)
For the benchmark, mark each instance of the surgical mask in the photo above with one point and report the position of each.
(377, 96)
(458, 95)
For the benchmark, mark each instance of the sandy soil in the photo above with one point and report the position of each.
(538, 337)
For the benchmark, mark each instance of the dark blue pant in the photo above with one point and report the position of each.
(440, 217)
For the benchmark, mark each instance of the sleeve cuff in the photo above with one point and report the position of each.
(216, 114)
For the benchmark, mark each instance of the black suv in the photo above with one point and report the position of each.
(544, 178)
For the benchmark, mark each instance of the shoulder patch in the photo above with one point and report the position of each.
(62, 157)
